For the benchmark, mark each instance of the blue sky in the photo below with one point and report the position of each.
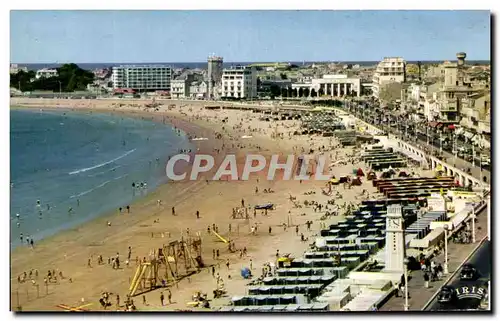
(240, 36)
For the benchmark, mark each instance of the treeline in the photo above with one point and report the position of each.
(69, 78)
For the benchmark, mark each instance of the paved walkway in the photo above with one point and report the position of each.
(457, 253)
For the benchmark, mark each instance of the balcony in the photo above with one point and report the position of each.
(449, 106)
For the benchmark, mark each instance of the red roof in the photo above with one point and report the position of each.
(124, 91)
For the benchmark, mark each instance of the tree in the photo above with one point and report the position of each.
(300, 92)
(321, 92)
(294, 92)
(306, 92)
(284, 92)
(390, 92)
(283, 76)
(69, 77)
(313, 93)
(289, 90)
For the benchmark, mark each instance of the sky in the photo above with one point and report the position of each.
(246, 36)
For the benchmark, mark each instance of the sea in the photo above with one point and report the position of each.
(67, 168)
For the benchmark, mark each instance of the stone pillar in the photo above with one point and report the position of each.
(338, 90)
(345, 89)
(331, 87)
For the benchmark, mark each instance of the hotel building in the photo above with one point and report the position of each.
(391, 69)
(239, 82)
(142, 78)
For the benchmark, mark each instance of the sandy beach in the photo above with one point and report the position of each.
(149, 225)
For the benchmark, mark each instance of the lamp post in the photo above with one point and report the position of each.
(445, 270)
(473, 217)
(440, 143)
(405, 262)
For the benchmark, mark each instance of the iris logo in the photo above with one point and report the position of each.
(470, 292)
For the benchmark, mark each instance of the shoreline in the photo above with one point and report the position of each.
(193, 130)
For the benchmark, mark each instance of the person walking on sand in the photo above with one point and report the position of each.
(242, 203)
(173, 210)
(297, 230)
(270, 229)
(117, 301)
(227, 264)
(169, 296)
(128, 208)
(144, 300)
(197, 214)
(162, 297)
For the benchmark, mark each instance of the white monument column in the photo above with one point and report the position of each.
(395, 249)
(331, 90)
(338, 90)
(345, 89)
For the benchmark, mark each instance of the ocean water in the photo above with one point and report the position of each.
(79, 166)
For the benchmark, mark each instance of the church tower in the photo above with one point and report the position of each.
(394, 239)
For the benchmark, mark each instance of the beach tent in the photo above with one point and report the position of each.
(343, 179)
(334, 181)
(371, 176)
(403, 174)
(360, 172)
(356, 181)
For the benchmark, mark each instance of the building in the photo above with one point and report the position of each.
(389, 70)
(332, 85)
(454, 88)
(239, 82)
(142, 78)
(14, 69)
(395, 240)
(180, 87)
(214, 74)
(45, 73)
(475, 116)
(198, 90)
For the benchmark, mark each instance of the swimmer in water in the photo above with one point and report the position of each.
(48, 207)
(70, 210)
(17, 215)
(78, 202)
(37, 202)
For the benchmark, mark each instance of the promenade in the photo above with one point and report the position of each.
(457, 253)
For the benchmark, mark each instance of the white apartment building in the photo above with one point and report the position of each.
(142, 78)
(391, 69)
(239, 82)
(14, 69)
(45, 73)
(179, 88)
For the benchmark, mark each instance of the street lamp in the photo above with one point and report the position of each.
(406, 262)
(445, 249)
(473, 217)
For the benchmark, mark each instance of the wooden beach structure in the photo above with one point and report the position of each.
(167, 266)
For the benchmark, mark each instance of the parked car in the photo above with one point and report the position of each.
(447, 295)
